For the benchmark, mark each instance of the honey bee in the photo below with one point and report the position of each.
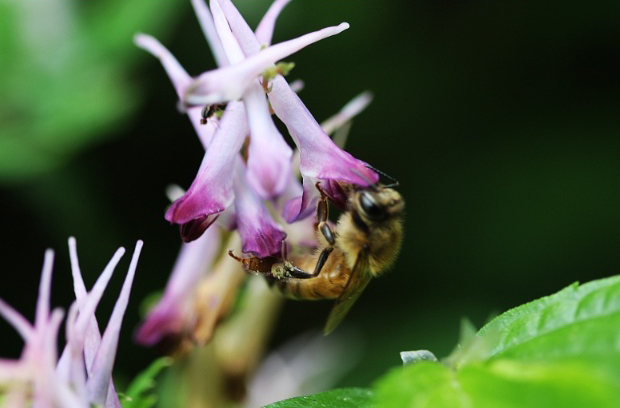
(364, 243)
(209, 110)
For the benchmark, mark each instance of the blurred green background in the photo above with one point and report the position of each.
(501, 120)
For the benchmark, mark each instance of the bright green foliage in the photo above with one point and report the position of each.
(342, 398)
(65, 76)
(579, 321)
(559, 351)
(500, 384)
(562, 350)
(139, 393)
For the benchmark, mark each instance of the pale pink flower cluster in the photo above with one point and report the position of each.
(255, 190)
(82, 376)
(226, 184)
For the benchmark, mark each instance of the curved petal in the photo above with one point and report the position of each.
(260, 235)
(302, 206)
(301, 232)
(269, 157)
(230, 45)
(208, 28)
(169, 315)
(98, 383)
(87, 310)
(180, 80)
(348, 112)
(23, 327)
(45, 287)
(229, 83)
(264, 31)
(320, 157)
(211, 192)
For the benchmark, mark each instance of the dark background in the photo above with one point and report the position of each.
(501, 120)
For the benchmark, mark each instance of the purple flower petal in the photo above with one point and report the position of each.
(192, 230)
(92, 300)
(348, 112)
(92, 338)
(43, 301)
(264, 31)
(98, 382)
(260, 234)
(168, 316)
(180, 80)
(179, 77)
(268, 155)
(229, 83)
(229, 43)
(320, 157)
(211, 192)
(208, 28)
(23, 327)
(301, 207)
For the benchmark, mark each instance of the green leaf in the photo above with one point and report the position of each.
(139, 393)
(500, 384)
(578, 321)
(340, 398)
(559, 351)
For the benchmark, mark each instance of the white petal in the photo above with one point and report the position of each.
(179, 77)
(16, 320)
(230, 45)
(43, 302)
(348, 112)
(264, 31)
(97, 385)
(208, 28)
(92, 300)
(229, 83)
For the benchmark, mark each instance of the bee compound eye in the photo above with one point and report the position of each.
(370, 207)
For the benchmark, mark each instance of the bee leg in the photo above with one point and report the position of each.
(254, 264)
(322, 212)
(322, 259)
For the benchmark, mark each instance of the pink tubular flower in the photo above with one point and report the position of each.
(174, 311)
(81, 378)
(243, 57)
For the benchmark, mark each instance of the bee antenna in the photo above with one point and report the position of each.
(387, 176)
(370, 183)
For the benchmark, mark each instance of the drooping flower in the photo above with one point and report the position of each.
(81, 377)
(243, 57)
(255, 189)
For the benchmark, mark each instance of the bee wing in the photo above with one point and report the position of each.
(360, 276)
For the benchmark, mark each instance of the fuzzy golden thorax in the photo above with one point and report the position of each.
(373, 223)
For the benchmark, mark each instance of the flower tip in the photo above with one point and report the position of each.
(365, 98)
(140, 39)
(139, 245)
(49, 256)
(148, 43)
(192, 230)
(343, 26)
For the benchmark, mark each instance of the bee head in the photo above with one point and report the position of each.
(379, 203)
